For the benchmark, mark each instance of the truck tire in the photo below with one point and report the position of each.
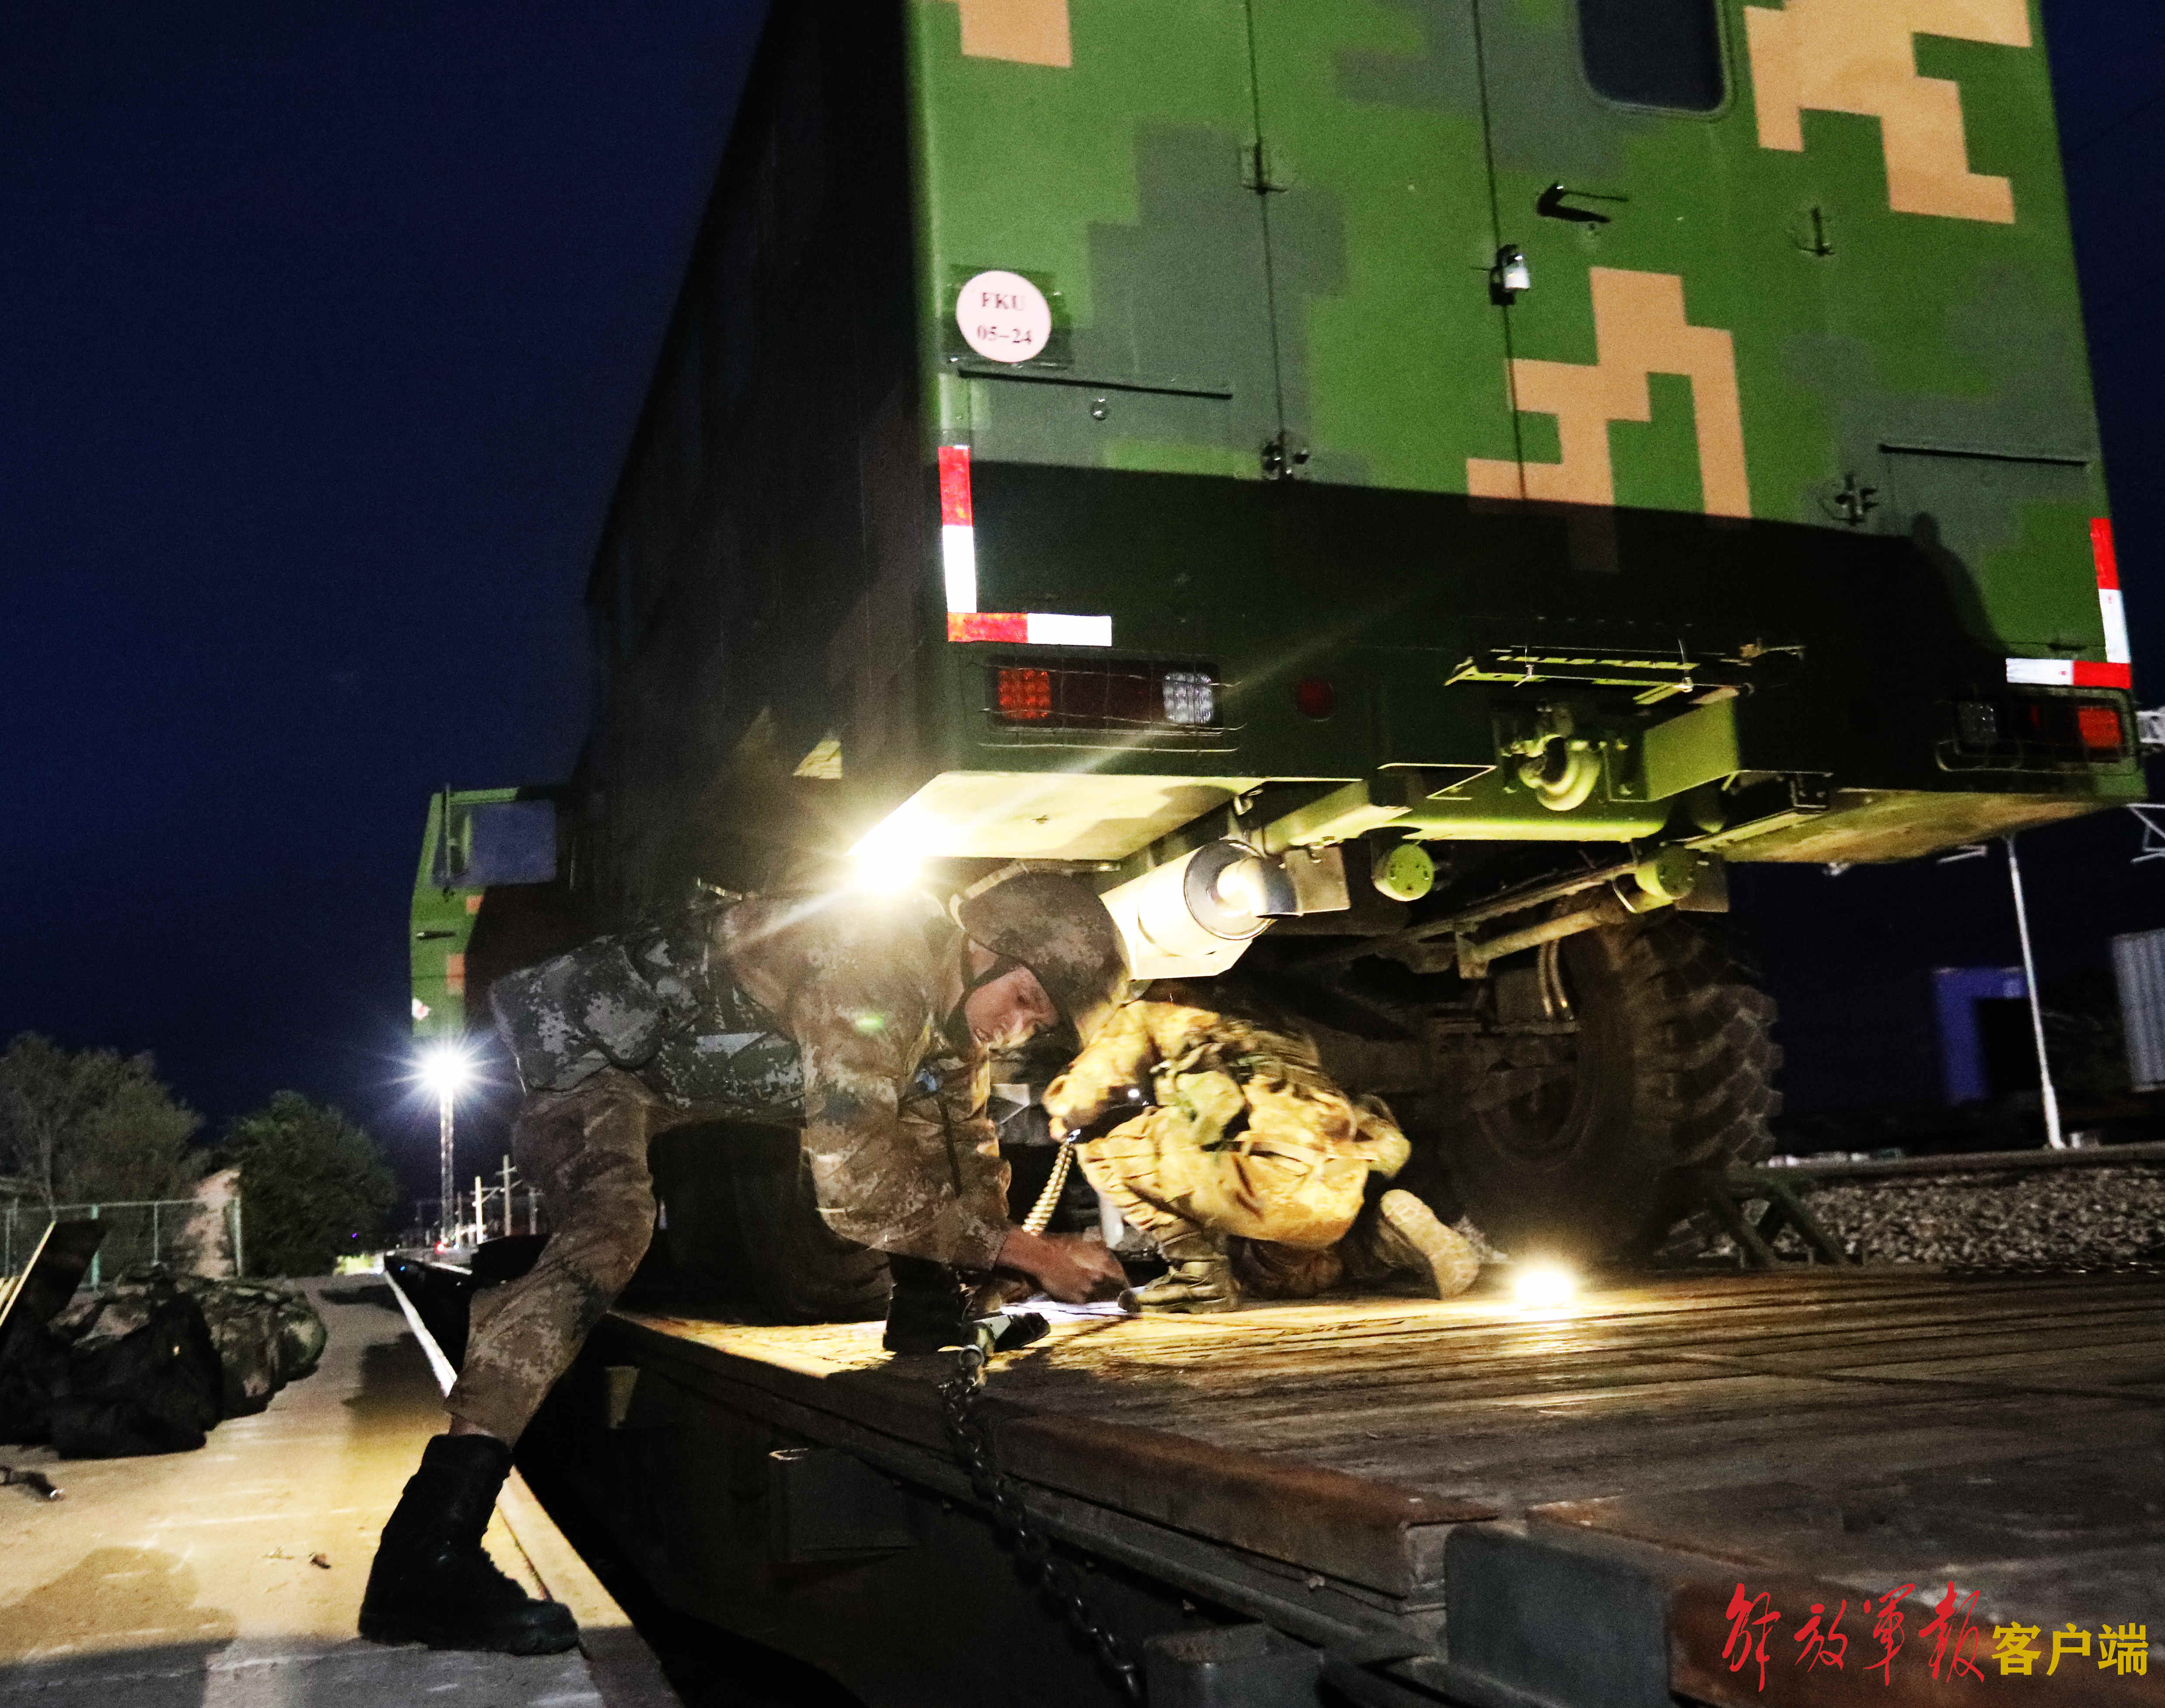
(743, 1228)
(1591, 1144)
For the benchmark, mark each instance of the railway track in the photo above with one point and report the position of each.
(1974, 1162)
(2076, 1211)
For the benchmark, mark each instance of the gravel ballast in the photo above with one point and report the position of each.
(2072, 1219)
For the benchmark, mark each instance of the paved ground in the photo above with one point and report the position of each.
(231, 1578)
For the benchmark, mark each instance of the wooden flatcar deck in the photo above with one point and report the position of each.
(1366, 1467)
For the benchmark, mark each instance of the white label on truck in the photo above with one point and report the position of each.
(1004, 317)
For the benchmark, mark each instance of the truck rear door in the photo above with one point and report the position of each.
(1372, 174)
(1634, 269)
(1083, 166)
(1807, 263)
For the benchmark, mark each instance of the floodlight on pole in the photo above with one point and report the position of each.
(446, 1070)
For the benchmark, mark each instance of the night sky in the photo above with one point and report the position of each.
(322, 330)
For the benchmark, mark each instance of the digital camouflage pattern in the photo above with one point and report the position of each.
(1800, 365)
(826, 1011)
(1244, 1135)
(586, 1150)
(903, 1155)
(1792, 404)
(1794, 397)
(664, 1001)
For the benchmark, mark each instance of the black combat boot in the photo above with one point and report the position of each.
(927, 1308)
(432, 1583)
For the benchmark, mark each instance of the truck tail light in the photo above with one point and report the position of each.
(1025, 695)
(1138, 694)
(1314, 697)
(1978, 724)
(1191, 698)
(2100, 728)
(2049, 733)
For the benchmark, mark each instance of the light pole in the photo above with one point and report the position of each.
(445, 1070)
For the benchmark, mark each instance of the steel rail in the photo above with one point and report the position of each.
(2150, 1154)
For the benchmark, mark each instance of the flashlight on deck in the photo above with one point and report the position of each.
(1543, 1286)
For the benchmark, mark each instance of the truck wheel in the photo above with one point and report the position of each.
(1593, 1143)
(743, 1228)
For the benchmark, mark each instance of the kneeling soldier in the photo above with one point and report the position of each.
(1255, 1175)
(867, 1019)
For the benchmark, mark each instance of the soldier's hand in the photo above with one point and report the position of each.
(1072, 1268)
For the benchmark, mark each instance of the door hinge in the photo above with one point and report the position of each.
(1263, 170)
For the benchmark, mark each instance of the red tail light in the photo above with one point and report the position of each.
(2100, 728)
(1142, 695)
(1026, 696)
(1315, 697)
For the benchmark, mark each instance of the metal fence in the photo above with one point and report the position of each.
(2138, 968)
(143, 1231)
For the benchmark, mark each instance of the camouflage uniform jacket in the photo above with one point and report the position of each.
(826, 1010)
(1185, 1048)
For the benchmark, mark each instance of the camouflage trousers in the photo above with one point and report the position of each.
(1285, 1189)
(586, 1150)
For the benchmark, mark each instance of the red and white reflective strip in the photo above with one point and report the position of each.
(958, 528)
(2118, 670)
(2116, 650)
(1029, 628)
(958, 563)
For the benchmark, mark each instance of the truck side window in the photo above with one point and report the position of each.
(1653, 53)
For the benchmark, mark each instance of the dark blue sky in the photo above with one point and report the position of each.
(322, 331)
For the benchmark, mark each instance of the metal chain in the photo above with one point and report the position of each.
(1056, 1579)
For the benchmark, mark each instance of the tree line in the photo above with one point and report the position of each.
(95, 1126)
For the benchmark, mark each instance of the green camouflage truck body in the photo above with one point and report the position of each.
(1709, 377)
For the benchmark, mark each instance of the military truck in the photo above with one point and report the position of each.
(1404, 492)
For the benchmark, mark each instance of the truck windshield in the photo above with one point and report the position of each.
(494, 842)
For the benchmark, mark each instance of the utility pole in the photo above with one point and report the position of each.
(2051, 1100)
(507, 1196)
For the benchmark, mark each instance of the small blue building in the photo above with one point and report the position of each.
(1980, 1010)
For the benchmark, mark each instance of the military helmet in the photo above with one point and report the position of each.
(1054, 925)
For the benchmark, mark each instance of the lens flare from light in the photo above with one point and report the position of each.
(882, 876)
(1544, 1287)
(446, 1070)
(889, 857)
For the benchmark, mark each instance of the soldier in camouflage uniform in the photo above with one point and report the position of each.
(866, 1019)
(1255, 1175)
